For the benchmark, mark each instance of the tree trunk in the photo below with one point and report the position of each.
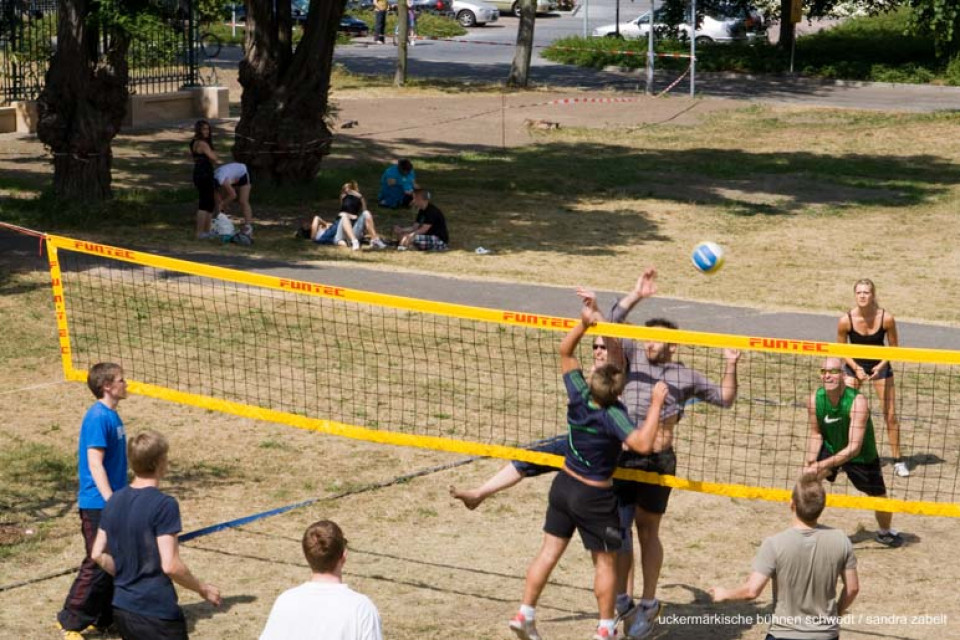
(403, 32)
(282, 136)
(83, 103)
(520, 67)
(788, 30)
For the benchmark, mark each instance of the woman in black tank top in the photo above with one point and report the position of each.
(204, 159)
(868, 324)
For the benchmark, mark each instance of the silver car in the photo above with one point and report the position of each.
(513, 6)
(728, 26)
(472, 13)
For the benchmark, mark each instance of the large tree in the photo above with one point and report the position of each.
(84, 99)
(282, 135)
(520, 67)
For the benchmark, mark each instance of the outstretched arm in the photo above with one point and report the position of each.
(614, 346)
(749, 590)
(646, 287)
(568, 346)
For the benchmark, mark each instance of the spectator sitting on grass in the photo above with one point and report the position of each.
(429, 232)
(353, 212)
(397, 184)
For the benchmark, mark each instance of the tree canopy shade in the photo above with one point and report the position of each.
(282, 135)
(84, 99)
(940, 19)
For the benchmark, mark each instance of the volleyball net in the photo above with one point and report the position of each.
(464, 379)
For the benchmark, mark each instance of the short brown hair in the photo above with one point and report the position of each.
(323, 546)
(606, 384)
(102, 374)
(809, 498)
(146, 451)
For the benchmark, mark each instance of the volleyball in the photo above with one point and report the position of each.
(707, 257)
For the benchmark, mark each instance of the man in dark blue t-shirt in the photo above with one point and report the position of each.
(581, 497)
(137, 544)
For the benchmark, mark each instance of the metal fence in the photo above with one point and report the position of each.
(161, 58)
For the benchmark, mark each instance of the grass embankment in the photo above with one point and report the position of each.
(876, 48)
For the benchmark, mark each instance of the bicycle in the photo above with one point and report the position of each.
(210, 44)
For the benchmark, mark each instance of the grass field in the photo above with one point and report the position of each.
(805, 200)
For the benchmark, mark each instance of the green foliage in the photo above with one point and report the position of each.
(878, 48)
(940, 19)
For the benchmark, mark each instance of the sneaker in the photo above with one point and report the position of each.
(401, 248)
(377, 243)
(67, 634)
(247, 230)
(604, 634)
(639, 622)
(525, 629)
(901, 470)
(891, 539)
(355, 245)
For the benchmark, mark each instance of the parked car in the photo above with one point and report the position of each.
(354, 27)
(513, 6)
(438, 7)
(472, 13)
(728, 25)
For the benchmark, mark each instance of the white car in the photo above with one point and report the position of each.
(513, 6)
(473, 13)
(730, 26)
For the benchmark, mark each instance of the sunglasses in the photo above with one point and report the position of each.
(831, 372)
(602, 347)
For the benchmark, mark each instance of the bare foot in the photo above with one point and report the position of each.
(470, 499)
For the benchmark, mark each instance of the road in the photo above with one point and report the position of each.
(484, 55)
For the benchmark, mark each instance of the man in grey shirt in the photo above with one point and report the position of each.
(805, 562)
(647, 363)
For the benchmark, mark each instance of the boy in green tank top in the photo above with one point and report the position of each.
(841, 437)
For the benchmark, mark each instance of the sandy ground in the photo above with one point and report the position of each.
(433, 568)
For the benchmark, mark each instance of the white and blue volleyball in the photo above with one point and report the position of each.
(707, 257)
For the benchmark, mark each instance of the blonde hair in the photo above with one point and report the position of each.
(868, 282)
(349, 186)
(146, 452)
(606, 384)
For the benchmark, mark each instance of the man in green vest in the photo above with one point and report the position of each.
(841, 437)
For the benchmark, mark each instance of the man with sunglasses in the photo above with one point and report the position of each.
(648, 363)
(842, 437)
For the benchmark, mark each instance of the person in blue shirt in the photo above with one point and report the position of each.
(581, 496)
(137, 544)
(102, 468)
(397, 184)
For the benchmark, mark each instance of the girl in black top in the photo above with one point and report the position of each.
(204, 159)
(868, 324)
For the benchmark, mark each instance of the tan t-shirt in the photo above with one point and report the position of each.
(805, 565)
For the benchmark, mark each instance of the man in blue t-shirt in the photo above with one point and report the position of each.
(102, 467)
(137, 544)
(397, 184)
(582, 497)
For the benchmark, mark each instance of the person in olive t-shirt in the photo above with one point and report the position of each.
(841, 437)
(805, 562)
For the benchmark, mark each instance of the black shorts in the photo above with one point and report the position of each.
(652, 498)
(590, 510)
(865, 476)
(886, 372)
(242, 182)
(134, 626)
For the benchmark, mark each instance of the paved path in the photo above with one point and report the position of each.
(19, 252)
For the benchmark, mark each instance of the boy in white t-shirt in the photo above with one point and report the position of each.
(323, 607)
